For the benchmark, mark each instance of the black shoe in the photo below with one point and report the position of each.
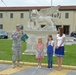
(49, 67)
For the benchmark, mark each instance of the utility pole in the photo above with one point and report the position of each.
(51, 3)
(3, 3)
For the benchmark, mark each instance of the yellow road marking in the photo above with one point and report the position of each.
(62, 72)
(13, 70)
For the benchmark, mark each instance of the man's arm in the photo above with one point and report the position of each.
(14, 36)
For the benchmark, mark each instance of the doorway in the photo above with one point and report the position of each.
(66, 29)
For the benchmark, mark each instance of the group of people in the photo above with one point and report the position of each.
(50, 45)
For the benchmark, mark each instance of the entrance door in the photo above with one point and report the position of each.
(66, 29)
(57, 26)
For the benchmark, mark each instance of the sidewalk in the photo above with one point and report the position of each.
(6, 69)
(29, 68)
(35, 64)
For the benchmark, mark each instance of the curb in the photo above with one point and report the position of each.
(35, 64)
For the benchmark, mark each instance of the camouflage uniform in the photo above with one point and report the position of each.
(17, 46)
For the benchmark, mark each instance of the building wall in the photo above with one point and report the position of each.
(71, 21)
(9, 24)
(74, 20)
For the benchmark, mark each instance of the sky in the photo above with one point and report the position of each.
(13, 3)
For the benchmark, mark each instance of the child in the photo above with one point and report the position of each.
(39, 51)
(50, 45)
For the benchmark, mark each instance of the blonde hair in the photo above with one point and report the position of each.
(39, 40)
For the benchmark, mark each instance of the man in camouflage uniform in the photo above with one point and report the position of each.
(17, 46)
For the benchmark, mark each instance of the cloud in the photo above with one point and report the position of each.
(64, 2)
(37, 2)
(31, 2)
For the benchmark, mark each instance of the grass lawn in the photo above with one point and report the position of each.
(6, 53)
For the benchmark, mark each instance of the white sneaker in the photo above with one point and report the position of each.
(50, 68)
(39, 66)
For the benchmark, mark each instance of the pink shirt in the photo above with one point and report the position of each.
(38, 45)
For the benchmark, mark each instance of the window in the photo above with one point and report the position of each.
(52, 15)
(59, 15)
(30, 14)
(66, 15)
(1, 26)
(1, 15)
(11, 15)
(21, 15)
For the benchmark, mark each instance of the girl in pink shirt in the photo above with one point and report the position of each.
(39, 51)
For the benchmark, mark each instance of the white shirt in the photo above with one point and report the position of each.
(51, 43)
(60, 39)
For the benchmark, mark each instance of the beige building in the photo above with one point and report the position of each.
(68, 18)
(11, 16)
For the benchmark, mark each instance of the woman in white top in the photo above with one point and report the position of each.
(59, 52)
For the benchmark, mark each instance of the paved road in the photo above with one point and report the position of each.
(6, 69)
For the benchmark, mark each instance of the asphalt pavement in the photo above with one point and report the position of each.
(6, 69)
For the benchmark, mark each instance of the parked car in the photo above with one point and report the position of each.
(73, 34)
(3, 35)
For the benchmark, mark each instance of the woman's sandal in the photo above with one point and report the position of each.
(59, 69)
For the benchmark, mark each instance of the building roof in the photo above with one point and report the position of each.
(67, 8)
(35, 7)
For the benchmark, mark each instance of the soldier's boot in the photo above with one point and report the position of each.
(18, 64)
(14, 65)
